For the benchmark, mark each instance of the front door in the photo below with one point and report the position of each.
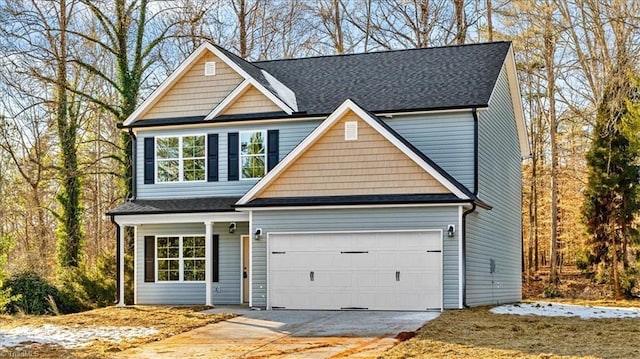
(245, 269)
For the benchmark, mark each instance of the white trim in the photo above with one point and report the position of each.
(121, 302)
(240, 155)
(135, 265)
(347, 105)
(408, 205)
(180, 258)
(180, 158)
(208, 273)
(185, 66)
(287, 95)
(440, 231)
(268, 297)
(210, 68)
(516, 99)
(213, 124)
(460, 259)
(229, 99)
(242, 255)
(137, 219)
(251, 259)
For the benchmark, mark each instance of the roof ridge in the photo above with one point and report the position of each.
(256, 63)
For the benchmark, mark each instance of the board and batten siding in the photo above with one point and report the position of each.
(332, 220)
(195, 94)
(496, 234)
(290, 134)
(367, 165)
(225, 291)
(446, 138)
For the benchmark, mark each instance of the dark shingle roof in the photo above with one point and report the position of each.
(177, 205)
(430, 78)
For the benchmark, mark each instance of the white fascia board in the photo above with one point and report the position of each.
(322, 128)
(138, 219)
(350, 206)
(516, 99)
(231, 97)
(287, 95)
(166, 84)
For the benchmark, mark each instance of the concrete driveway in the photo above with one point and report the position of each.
(288, 334)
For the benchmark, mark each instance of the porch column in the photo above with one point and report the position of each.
(121, 269)
(208, 275)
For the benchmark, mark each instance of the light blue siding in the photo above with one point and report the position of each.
(496, 234)
(447, 138)
(355, 220)
(290, 135)
(226, 291)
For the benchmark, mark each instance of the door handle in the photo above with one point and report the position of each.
(397, 276)
(244, 273)
(311, 276)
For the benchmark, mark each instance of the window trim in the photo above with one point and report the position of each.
(241, 156)
(180, 258)
(180, 158)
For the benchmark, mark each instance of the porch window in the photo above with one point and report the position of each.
(180, 158)
(253, 156)
(180, 258)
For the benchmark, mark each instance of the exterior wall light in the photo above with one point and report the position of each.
(451, 230)
(258, 234)
(232, 227)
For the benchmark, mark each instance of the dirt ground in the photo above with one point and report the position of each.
(478, 333)
(168, 321)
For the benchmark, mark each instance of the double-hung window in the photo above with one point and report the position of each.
(180, 258)
(181, 158)
(253, 154)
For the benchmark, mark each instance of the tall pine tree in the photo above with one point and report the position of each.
(611, 197)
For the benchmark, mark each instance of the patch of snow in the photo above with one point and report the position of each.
(69, 337)
(566, 310)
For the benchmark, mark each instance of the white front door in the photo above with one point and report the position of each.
(364, 270)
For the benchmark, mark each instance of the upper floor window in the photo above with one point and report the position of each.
(180, 158)
(253, 154)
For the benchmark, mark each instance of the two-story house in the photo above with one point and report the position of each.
(387, 180)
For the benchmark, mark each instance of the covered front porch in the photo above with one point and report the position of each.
(186, 251)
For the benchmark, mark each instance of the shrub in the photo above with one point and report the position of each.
(94, 287)
(34, 292)
(6, 298)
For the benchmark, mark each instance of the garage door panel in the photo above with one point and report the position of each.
(395, 271)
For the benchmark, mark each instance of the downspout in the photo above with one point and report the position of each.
(118, 259)
(133, 165)
(470, 210)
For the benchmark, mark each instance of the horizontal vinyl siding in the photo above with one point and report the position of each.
(166, 293)
(496, 234)
(195, 94)
(355, 220)
(226, 291)
(447, 138)
(290, 135)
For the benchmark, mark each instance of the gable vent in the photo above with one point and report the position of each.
(351, 130)
(209, 68)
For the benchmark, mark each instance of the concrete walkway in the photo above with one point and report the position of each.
(288, 334)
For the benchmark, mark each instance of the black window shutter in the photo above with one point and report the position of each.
(149, 258)
(215, 258)
(273, 149)
(212, 157)
(233, 163)
(149, 154)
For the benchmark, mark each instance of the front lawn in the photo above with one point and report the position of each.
(478, 333)
(137, 325)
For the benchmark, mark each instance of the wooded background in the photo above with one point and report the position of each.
(71, 70)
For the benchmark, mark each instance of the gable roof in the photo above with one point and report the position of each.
(415, 155)
(260, 79)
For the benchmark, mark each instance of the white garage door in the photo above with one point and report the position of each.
(378, 270)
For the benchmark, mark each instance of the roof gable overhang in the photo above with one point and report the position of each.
(518, 110)
(389, 134)
(282, 96)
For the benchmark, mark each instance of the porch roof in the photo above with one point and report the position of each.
(175, 205)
